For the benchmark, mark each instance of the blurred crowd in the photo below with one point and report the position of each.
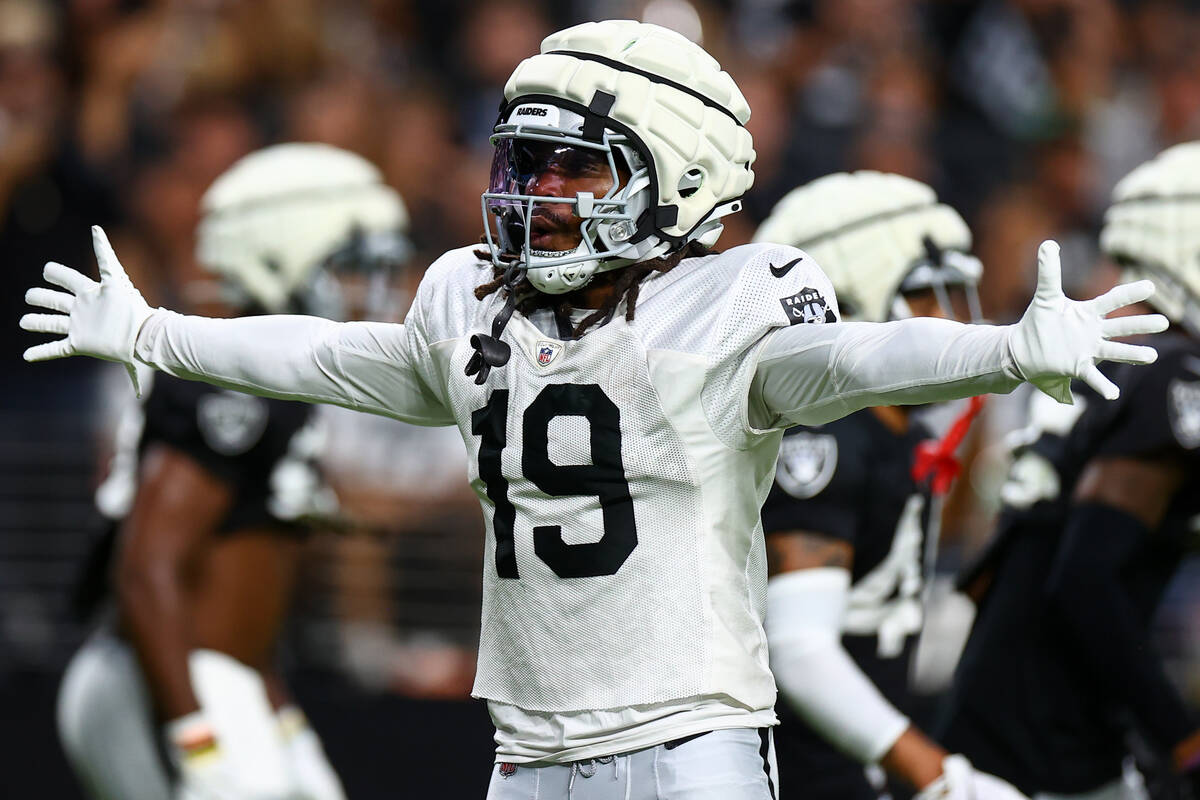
(1021, 113)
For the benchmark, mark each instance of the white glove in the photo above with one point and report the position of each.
(961, 781)
(1059, 339)
(99, 319)
(204, 772)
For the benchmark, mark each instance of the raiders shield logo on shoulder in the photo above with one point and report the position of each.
(547, 352)
(807, 305)
(230, 422)
(806, 463)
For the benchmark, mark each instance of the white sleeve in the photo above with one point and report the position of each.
(812, 374)
(367, 366)
(814, 672)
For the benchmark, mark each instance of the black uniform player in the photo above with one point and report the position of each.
(851, 522)
(1058, 663)
(210, 488)
(1101, 508)
(249, 444)
(851, 481)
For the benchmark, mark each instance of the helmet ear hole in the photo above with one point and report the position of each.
(690, 181)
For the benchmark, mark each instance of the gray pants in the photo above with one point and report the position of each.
(735, 764)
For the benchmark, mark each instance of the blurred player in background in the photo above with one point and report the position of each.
(850, 527)
(210, 492)
(622, 392)
(1101, 504)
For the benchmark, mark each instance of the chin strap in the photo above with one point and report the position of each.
(490, 351)
(936, 460)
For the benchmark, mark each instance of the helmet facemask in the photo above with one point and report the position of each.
(359, 279)
(942, 272)
(541, 143)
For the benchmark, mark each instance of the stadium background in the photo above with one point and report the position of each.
(1022, 113)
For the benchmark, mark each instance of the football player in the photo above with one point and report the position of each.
(208, 492)
(622, 392)
(849, 524)
(1100, 505)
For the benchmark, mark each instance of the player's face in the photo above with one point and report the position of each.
(925, 303)
(548, 169)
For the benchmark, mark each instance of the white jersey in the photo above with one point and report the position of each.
(621, 482)
(620, 474)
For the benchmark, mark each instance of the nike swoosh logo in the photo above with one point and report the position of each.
(779, 272)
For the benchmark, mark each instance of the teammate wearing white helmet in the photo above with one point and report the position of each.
(622, 395)
(207, 497)
(1100, 510)
(852, 520)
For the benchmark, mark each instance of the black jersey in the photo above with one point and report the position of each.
(263, 449)
(1025, 704)
(853, 480)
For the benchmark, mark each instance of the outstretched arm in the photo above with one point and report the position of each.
(359, 365)
(366, 366)
(811, 374)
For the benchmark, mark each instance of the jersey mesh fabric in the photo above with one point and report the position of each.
(681, 615)
(754, 306)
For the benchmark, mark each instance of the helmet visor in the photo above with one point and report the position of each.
(546, 190)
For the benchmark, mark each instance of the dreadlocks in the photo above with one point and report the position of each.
(626, 283)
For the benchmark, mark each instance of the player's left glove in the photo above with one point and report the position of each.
(1059, 339)
(961, 781)
(99, 319)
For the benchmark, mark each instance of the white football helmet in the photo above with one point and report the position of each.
(279, 222)
(1152, 229)
(641, 99)
(878, 236)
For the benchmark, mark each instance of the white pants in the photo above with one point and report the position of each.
(107, 727)
(735, 764)
(108, 730)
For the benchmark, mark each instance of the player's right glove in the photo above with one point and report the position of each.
(99, 319)
(961, 781)
(193, 749)
(1059, 339)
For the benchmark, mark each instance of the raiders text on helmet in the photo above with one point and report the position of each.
(653, 105)
(877, 235)
(1153, 230)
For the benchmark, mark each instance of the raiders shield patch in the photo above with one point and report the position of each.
(230, 422)
(1184, 412)
(806, 463)
(807, 305)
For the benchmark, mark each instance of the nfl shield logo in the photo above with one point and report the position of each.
(547, 352)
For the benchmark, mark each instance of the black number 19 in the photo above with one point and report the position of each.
(604, 478)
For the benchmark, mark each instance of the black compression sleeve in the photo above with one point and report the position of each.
(1087, 595)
